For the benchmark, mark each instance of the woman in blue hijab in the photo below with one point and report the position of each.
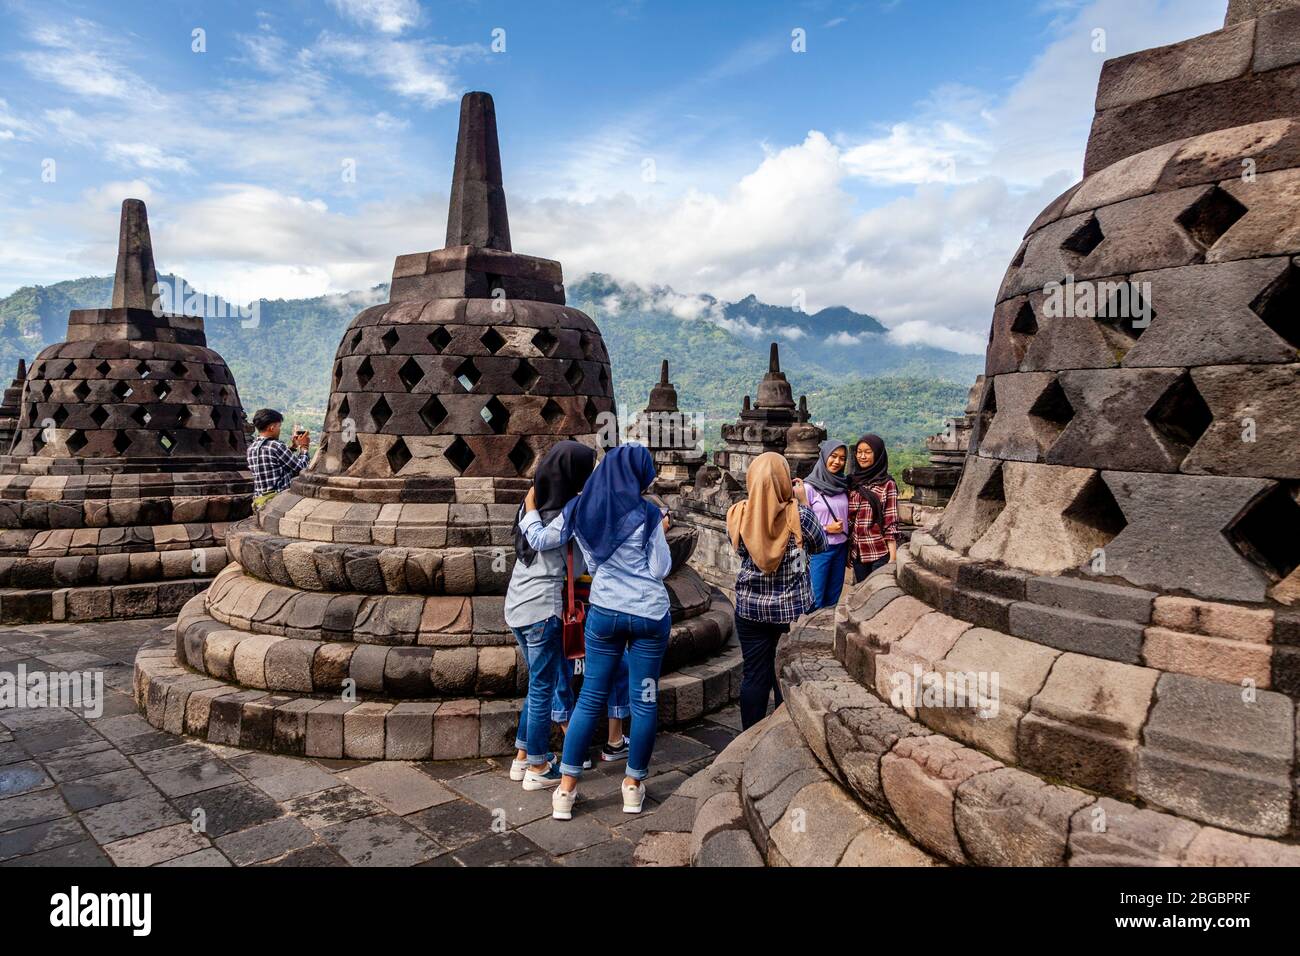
(623, 542)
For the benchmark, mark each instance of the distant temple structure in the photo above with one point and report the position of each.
(933, 484)
(384, 567)
(771, 423)
(1122, 552)
(10, 402)
(127, 461)
(670, 435)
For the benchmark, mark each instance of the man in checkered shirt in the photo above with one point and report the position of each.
(272, 464)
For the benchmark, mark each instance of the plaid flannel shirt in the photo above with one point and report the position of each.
(868, 535)
(273, 465)
(780, 597)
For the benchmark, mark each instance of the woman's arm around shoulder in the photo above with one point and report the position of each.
(542, 537)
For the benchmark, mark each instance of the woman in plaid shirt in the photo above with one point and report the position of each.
(774, 531)
(873, 508)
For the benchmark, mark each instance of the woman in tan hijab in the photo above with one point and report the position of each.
(774, 531)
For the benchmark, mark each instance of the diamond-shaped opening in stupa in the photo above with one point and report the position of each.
(1181, 415)
(1267, 531)
(1213, 214)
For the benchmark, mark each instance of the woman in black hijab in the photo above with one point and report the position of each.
(535, 601)
(873, 508)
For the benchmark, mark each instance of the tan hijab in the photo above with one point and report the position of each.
(767, 518)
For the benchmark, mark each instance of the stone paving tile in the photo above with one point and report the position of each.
(449, 769)
(156, 846)
(154, 740)
(380, 841)
(565, 836)
(105, 788)
(43, 836)
(254, 765)
(328, 807)
(117, 821)
(31, 808)
(496, 848)
(266, 841)
(67, 735)
(316, 855)
(497, 791)
(229, 809)
(208, 857)
(11, 753)
(82, 854)
(615, 852)
(302, 780)
(86, 765)
(18, 778)
(169, 758)
(457, 824)
(120, 728)
(77, 750)
(195, 777)
(399, 787)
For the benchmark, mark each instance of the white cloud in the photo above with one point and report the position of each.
(416, 70)
(145, 156)
(386, 16)
(79, 57)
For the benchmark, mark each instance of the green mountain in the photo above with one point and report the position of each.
(717, 351)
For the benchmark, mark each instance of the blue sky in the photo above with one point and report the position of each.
(891, 166)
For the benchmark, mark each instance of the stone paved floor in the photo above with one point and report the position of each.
(115, 791)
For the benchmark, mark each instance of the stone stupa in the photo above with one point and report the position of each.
(670, 435)
(1121, 551)
(362, 613)
(769, 423)
(128, 459)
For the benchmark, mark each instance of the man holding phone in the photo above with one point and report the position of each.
(272, 464)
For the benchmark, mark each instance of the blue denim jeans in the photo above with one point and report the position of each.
(826, 568)
(543, 649)
(562, 705)
(609, 635)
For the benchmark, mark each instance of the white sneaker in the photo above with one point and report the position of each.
(633, 798)
(562, 802)
(520, 767)
(540, 780)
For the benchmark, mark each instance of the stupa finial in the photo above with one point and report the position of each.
(136, 281)
(477, 214)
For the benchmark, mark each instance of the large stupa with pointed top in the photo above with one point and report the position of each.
(670, 434)
(1093, 658)
(127, 462)
(362, 613)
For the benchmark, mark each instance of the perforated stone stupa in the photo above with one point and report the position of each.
(127, 461)
(1121, 550)
(362, 615)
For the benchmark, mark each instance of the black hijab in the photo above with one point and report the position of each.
(861, 480)
(559, 477)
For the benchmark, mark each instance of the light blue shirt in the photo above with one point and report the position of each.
(536, 590)
(631, 580)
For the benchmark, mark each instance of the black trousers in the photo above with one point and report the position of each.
(862, 568)
(758, 641)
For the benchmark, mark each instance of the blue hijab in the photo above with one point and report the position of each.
(610, 507)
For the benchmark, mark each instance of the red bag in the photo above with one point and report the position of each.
(575, 615)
